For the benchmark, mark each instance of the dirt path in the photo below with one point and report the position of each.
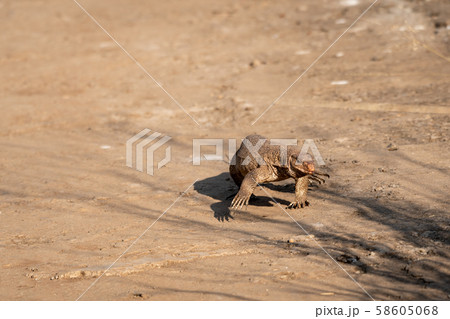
(69, 206)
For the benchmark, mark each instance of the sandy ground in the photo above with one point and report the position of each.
(71, 98)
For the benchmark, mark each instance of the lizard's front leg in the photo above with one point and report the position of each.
(252, 179)
(301, 189)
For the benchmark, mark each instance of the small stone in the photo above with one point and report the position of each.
(373, 254)
(341, 82)
(392, 147)
(440, 24)
(255, 63)
(419, 27)
(300, 238)
(327, 293)
(55, 277)
(347, 259)
(341, 140)
(302, 52)
(349, 3)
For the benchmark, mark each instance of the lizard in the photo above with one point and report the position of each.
(258, 161)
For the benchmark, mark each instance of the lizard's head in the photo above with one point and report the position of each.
(302, 164)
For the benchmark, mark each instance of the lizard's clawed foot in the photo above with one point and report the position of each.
(239, 201)
(317, 179)
(298, 204)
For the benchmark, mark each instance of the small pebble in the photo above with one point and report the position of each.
(302, 52)
(327, 293)
(299, 238)
(255, 63)
(419, 27)
(392, 147)
(349, 3)
(342, 82)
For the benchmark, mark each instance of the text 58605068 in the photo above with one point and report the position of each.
(407, 310)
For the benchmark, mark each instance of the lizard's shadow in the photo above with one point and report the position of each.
(222, 187)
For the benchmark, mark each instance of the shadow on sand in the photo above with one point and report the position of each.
(222, 187)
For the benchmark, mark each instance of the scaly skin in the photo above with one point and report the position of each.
(247, 174)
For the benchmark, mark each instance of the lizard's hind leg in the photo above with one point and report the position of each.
(236, 175)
